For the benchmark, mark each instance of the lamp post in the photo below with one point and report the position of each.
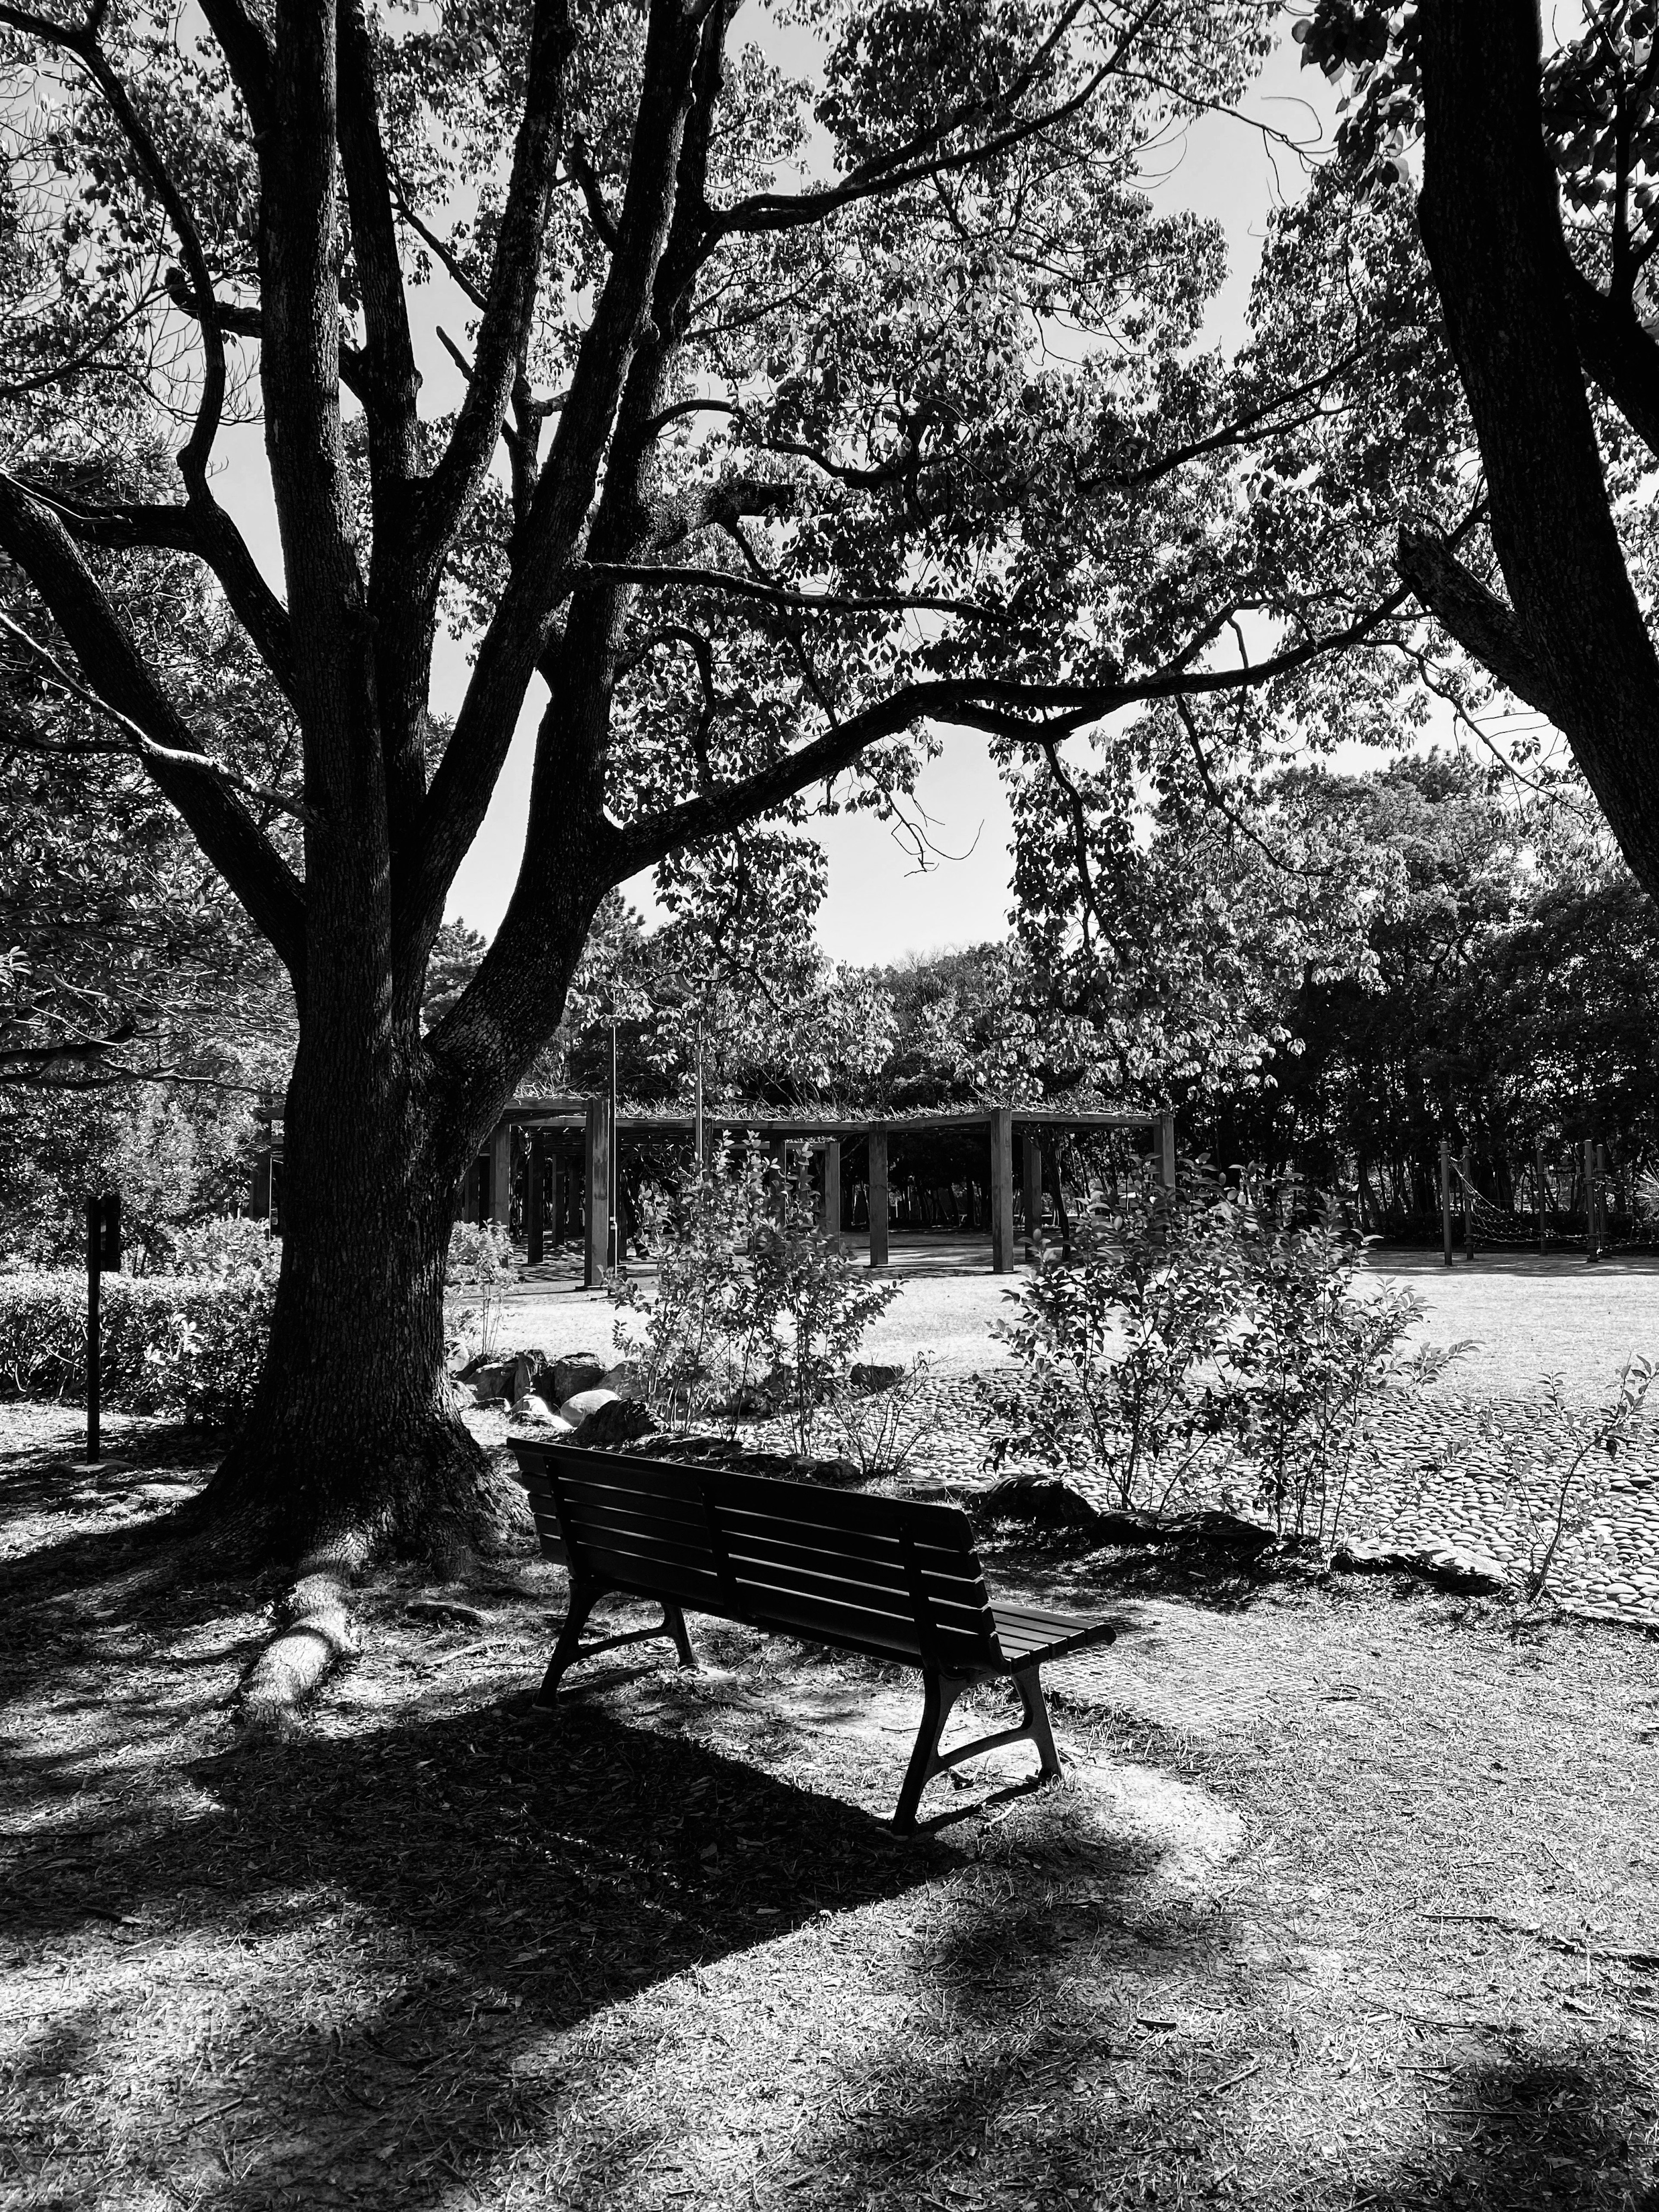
(613, 1255)
(702, 1156)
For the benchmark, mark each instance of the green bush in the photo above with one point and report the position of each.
(189, 1345)
(1194, 1332)
(752, 1305)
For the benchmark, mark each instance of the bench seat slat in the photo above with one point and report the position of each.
(807, 1524)
(877, 1639)
(951, 1576)
(648, 1505)
(1022, 1638)
(962, 1605)
(944, 1525)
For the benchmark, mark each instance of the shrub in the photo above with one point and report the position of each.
(693, 1344)
(749, 1296)
(1191, 1318)
(807, 1303)
(1120, 1344)
(189, 1345)
(226, 1244)
(1309, 1360)
(480, 1264)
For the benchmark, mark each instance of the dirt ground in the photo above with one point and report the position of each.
(1345, 1899)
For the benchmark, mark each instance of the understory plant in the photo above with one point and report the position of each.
(1557, 1472)
(754, 1303)
(691, 1336)
(809, 1304)
(1194, 1330)
(879, 1428)
(479, 1267)
(1308, 1358)
(1119, 1343)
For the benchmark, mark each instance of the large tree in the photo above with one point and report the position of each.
(795, 421)
(1537, 224)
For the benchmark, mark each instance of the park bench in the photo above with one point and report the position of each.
(890, 1579)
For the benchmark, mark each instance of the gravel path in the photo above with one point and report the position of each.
(1457, 1471)
(1454, 1478)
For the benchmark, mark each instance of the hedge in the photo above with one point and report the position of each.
(188, 1345)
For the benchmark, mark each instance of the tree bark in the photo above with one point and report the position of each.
(1490, 220)
(354, 1445)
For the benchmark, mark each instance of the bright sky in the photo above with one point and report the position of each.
(880, 906)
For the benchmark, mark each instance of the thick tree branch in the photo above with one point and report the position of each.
(1491, 218)
(1617, 353)
(116, 674)
(582, 168)
(208, 532)
(514, 644)
(503, 332)
(1485, 628)
(1029, 713)
(246, 45)
(393, 381)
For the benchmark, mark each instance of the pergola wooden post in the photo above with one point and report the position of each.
(1031, 1190)
(500, 1175)
(597, 1223)
(832, 1192)
(1166, 1151)
(878, 1198)
(1002, 1190)
(533, 1201)
(560, 1171)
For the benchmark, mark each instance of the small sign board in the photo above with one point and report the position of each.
(104, 1232)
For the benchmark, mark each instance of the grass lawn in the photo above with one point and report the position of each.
(1527, 1316)
(1345, 1899)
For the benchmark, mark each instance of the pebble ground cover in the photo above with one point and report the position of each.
(1346, 1899)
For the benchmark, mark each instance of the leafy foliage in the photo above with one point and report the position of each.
(190, 1344)
(1195, 1327)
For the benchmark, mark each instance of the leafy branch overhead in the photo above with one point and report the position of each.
(775, 421)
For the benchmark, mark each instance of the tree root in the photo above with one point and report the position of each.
(317, 1633)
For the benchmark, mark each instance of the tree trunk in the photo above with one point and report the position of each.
(354, 1446)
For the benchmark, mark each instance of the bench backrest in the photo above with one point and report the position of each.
(875, 1574)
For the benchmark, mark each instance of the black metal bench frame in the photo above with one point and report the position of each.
(884, 1577)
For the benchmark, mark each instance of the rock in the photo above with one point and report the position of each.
(1042, 1501)
(490, 1382)
(617, 1421)
(576, 1372)
(577, 1407)
(625, 1380)
(867, 1374)
(533, 1412)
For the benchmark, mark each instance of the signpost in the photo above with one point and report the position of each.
(103, 1250)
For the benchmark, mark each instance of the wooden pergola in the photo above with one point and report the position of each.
(547, 1125)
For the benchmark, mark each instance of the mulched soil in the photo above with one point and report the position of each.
(1347, 1898)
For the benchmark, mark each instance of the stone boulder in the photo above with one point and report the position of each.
(626, 1379)
(568, 1377)
(577, 1408)
(867, 1374)
(619, 1421)
(531, 1410)
(491, 1381)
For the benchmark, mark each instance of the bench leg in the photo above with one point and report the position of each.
(673, 1621)
(583, 1596)
(940, 1693)
(1030, 1686)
